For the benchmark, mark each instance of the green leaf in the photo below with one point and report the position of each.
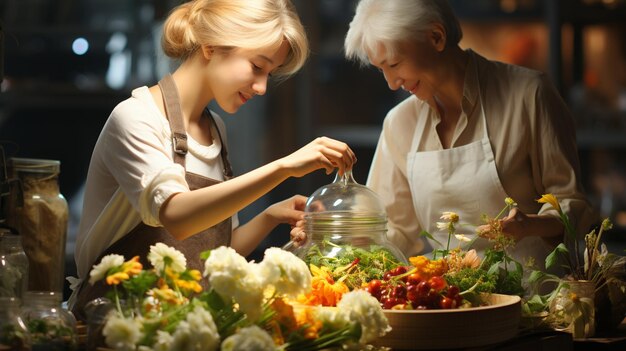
(536, 277)
(494, 269)
(204, 255)
(553, 257)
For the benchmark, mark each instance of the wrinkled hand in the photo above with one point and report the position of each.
(322, 152)
(513, 225)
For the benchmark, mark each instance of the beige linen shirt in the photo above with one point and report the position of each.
(532, 136)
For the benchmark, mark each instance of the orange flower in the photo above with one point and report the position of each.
(306, 319)
(126, 270)
(427, 268)
(117, 278)
(324, 290)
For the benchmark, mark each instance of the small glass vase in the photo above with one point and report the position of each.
(13, 265)
(52, 328)
(573, 308)
(14, 335)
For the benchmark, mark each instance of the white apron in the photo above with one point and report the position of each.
(463, 180)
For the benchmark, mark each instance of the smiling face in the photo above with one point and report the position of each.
(239, 74)
(414, 66)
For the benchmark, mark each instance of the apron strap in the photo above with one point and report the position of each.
(174, 115)
(228, 170)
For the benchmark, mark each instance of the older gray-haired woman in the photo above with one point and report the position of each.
(472, 133)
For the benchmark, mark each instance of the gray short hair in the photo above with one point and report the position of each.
(386, 23)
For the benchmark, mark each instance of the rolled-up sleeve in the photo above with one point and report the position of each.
(139, 159)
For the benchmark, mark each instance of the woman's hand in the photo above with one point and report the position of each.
(322, 152)
(513, 225)
(288, 211)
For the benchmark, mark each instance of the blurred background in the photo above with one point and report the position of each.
(67, 63)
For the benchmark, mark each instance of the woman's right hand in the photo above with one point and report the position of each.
(322, 152)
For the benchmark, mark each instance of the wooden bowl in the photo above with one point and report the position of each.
(454, 328)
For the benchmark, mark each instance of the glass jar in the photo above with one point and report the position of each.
(13, 333)
(13, 265)
(97, 311)
(39, 213)
(346, 231)
(573, 309)
(51, 327)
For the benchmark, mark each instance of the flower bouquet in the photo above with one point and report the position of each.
(250, 306)
(592, 294)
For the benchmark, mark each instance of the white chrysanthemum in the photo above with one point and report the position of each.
(363, 308)
(121, 333)
(249, 339)
(286, 272)
(163, 341)
(99, 271)
(161, 255)
(182, 338)
(205, 333)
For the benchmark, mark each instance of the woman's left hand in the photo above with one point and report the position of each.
(288, 211)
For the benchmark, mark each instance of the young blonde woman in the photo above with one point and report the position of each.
(160, 172)
(472, 132)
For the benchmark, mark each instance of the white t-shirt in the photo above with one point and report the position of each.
(132, 173)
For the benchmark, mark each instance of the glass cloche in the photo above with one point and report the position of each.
(346, 230)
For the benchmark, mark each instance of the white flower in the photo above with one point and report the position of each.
(462, 237)
(99, 271)
(451, 217)
(331, 317)
(250, 338)
(121, 333)
(162, 255)
(285, 271)
(363, 308)
(163, 341)
(442, 225)
(182, 339)
(232, 277)
(205, 335)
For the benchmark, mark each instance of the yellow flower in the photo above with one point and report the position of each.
(117, 278)
(509, 201)
(132, 267)
(324, 290)
(550, 199)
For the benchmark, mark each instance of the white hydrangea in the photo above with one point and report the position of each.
(205, 333)
(161, 254)
(232, 277)
(121, 333)
(286, 272)
(163, 341)
(332, 317)
(99, 271)
(250, 338)
(359, 306)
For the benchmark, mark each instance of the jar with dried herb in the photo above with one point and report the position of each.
(51, 327)
(39, 212)
(13, 333)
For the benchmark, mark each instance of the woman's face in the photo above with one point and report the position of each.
(413, 68)
(238, 75)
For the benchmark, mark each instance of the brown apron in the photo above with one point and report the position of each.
(138, 241)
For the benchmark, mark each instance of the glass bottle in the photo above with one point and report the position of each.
(51, 327)
(346, 226)
(39, 212)
(13, 265)
(13, 333)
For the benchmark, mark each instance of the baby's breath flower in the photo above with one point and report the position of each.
(250, 338)
(285, 271)
(363, 308)
(162, 256)
(443, 225)
(163, 341)
(122, 333)
(108, 262)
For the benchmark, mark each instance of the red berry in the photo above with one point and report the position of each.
(414, 278)
(437, 282)
(453, 290)
(447, 303)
